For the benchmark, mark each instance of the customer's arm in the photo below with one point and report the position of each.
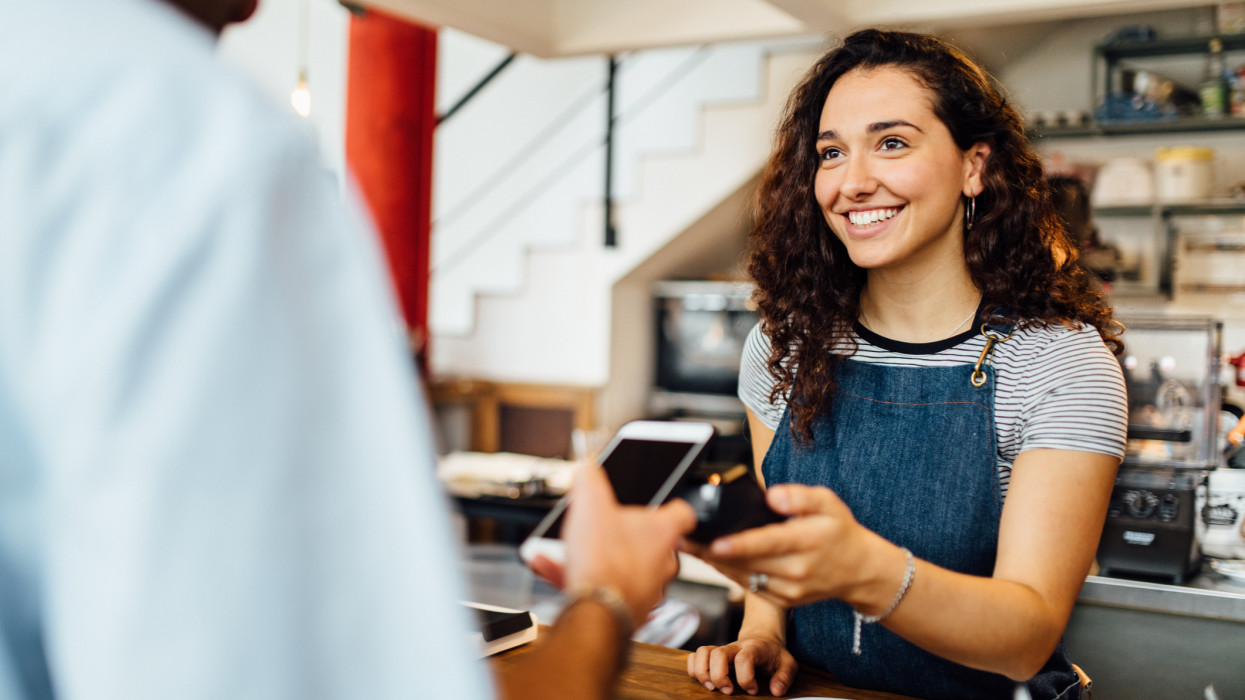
(619, 559)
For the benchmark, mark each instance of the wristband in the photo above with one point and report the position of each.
(609, 598)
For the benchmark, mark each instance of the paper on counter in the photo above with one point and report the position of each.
(479, 473)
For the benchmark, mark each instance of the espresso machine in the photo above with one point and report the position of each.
(1171, 369)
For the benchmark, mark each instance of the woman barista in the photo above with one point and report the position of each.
(930, 385)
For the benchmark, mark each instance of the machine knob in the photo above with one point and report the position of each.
(1170, 509)
(1141, 504)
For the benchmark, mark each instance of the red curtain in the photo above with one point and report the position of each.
(390, 118)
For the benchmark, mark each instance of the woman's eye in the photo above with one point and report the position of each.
(892, 143)
(830, 153)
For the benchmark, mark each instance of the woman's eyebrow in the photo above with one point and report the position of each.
(883, 126)
(831, 134)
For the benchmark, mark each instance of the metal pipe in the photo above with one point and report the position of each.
(611, 234)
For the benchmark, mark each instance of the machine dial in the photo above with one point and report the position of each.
(1141, 504)
(1170, 508)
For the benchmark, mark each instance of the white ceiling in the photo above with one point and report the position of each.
(569, 27)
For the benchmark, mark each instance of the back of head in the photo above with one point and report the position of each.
(215, 14)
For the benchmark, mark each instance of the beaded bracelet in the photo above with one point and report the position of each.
(908, 574)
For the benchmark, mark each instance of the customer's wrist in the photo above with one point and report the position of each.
(610, 598)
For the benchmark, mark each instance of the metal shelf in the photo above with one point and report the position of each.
(1107, 58)
(1174, 46)
(1211, 208)
(1183, 125)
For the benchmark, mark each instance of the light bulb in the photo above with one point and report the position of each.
(300, 98)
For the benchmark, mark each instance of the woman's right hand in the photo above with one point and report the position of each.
(711, 666)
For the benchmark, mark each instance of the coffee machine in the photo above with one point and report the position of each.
(1171, 369)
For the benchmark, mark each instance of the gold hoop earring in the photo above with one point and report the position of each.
(970, 214)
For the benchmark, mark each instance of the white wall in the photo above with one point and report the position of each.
(266, 50)
(677, 160)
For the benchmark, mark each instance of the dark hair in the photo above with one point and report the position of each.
(808, 290)
(1070, 197)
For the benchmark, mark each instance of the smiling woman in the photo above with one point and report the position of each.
(930, 392)
(891, 188)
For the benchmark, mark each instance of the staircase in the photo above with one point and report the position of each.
(522, 283)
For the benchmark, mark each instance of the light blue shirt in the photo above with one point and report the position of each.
(215, 473)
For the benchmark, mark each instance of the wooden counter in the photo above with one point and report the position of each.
(660, 673)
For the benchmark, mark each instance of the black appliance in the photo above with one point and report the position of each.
(1171, 369)
(701, 329)
(1152, 528)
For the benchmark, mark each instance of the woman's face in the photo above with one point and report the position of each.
(890, 177)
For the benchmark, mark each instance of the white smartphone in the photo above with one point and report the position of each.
(644, 461)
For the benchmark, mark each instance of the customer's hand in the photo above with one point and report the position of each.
(750, 656)
(631, 548)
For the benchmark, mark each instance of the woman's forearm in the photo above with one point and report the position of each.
(1010, 622)
(763, 618)
(986, 623)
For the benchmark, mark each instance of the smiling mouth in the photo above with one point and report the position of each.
(862, 219)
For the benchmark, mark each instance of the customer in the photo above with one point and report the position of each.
(930, 384)
(215, 475)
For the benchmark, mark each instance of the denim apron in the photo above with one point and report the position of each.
(911, 450)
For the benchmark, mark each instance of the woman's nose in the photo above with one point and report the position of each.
(858, 179)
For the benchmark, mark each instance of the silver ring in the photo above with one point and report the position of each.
(758, 583)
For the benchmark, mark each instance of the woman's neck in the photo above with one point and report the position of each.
(918, 311)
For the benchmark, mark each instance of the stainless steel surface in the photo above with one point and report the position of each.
(720, 294)
(1206, 595)
(496, 576)
(1171, 367)
(666, 402)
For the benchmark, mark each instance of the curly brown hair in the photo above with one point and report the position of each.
(807, 288)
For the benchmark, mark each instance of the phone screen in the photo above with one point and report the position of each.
(637, 469)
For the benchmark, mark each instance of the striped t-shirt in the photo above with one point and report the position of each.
(1057, 387)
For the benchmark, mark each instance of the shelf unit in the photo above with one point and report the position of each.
(1108, 58)
(1161, 215)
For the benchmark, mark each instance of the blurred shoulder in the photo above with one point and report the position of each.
(125, 81)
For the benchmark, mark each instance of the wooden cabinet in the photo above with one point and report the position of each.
(532, 419)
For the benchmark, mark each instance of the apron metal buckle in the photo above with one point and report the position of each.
(978, 377)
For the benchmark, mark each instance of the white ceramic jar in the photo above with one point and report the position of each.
(1184, 173)
(1122, 182)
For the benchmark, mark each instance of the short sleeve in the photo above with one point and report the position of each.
(1075, 398)
(755, 381)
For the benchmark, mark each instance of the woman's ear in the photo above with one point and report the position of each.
(975, 159)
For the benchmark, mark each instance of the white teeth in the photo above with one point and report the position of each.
(865, 218)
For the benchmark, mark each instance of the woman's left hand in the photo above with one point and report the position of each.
(817, 554)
